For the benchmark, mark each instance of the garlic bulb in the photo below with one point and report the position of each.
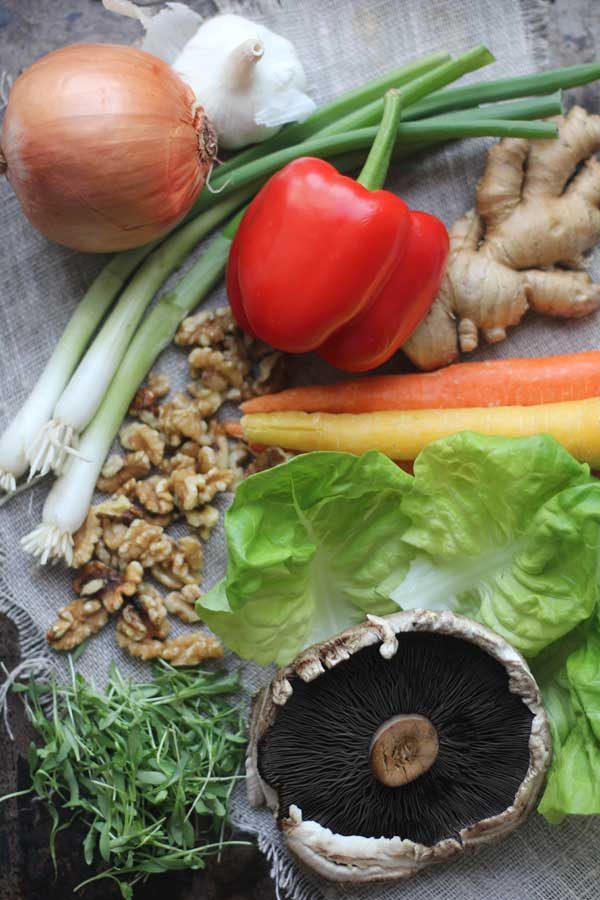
(250, 79)
(247, 78)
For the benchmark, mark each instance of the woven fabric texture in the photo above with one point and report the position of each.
(342, 43)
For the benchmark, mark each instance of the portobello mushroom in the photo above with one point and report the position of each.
(401, 742)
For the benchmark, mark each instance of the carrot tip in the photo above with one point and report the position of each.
(233, 428)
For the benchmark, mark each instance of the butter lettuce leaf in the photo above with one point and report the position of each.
(571, 694)
(473, 494)
(314, 545)
(505, 531)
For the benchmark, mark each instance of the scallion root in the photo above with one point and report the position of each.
(49, 543)
(8, 482)
(51, 446)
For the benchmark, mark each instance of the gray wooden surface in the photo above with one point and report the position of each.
(28, 29)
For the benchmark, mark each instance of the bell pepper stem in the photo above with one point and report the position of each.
(375, 169)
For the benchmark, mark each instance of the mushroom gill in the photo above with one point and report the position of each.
(441, 743)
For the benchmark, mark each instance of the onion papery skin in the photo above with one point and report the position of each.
(105, 146)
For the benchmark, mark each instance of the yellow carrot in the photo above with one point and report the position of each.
(403, 434)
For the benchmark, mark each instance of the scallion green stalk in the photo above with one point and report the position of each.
(76, 406)
(370, 113)
(531, 108)
(471, 97)
(69, 499)
(38, 407)
(440, 129)
(446, 128)
(503, 89)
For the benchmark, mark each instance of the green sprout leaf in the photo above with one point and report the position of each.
(139, 764)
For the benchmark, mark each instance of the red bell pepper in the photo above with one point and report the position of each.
(400, 306)
(322, 262)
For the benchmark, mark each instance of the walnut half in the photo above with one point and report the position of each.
(145, 618)
(185, 650)
(183, 603)
(107, 585)
(76, 622)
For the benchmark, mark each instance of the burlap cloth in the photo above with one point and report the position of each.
(342, 43)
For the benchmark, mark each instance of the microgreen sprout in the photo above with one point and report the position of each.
(148, 767)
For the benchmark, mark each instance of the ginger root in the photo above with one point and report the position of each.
(518, 249)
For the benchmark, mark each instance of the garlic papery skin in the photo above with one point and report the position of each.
(248, 79)
(166, 32)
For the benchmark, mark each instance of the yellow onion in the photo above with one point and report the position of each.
(105, 146)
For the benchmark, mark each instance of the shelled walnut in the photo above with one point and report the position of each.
(76, 622)
(184, 565)
(184, 650)
(107, 585)
(138, 436)
(119, 469)
(182, 603)
(206, 329)
(177, 460)
(146, 399)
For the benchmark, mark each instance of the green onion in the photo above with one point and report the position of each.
(69, 499)
(444, 128)
(504, 89)
(370, 114)
(440, 128)
(534, 108)
(38, 407)
(531, 108)
(79, 401)
(147, 767)
(472, 96)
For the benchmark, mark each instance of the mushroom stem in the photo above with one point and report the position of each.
(403, 748)
(241, 62)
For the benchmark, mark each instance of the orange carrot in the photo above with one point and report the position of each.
(502, 382)
(233, 428)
